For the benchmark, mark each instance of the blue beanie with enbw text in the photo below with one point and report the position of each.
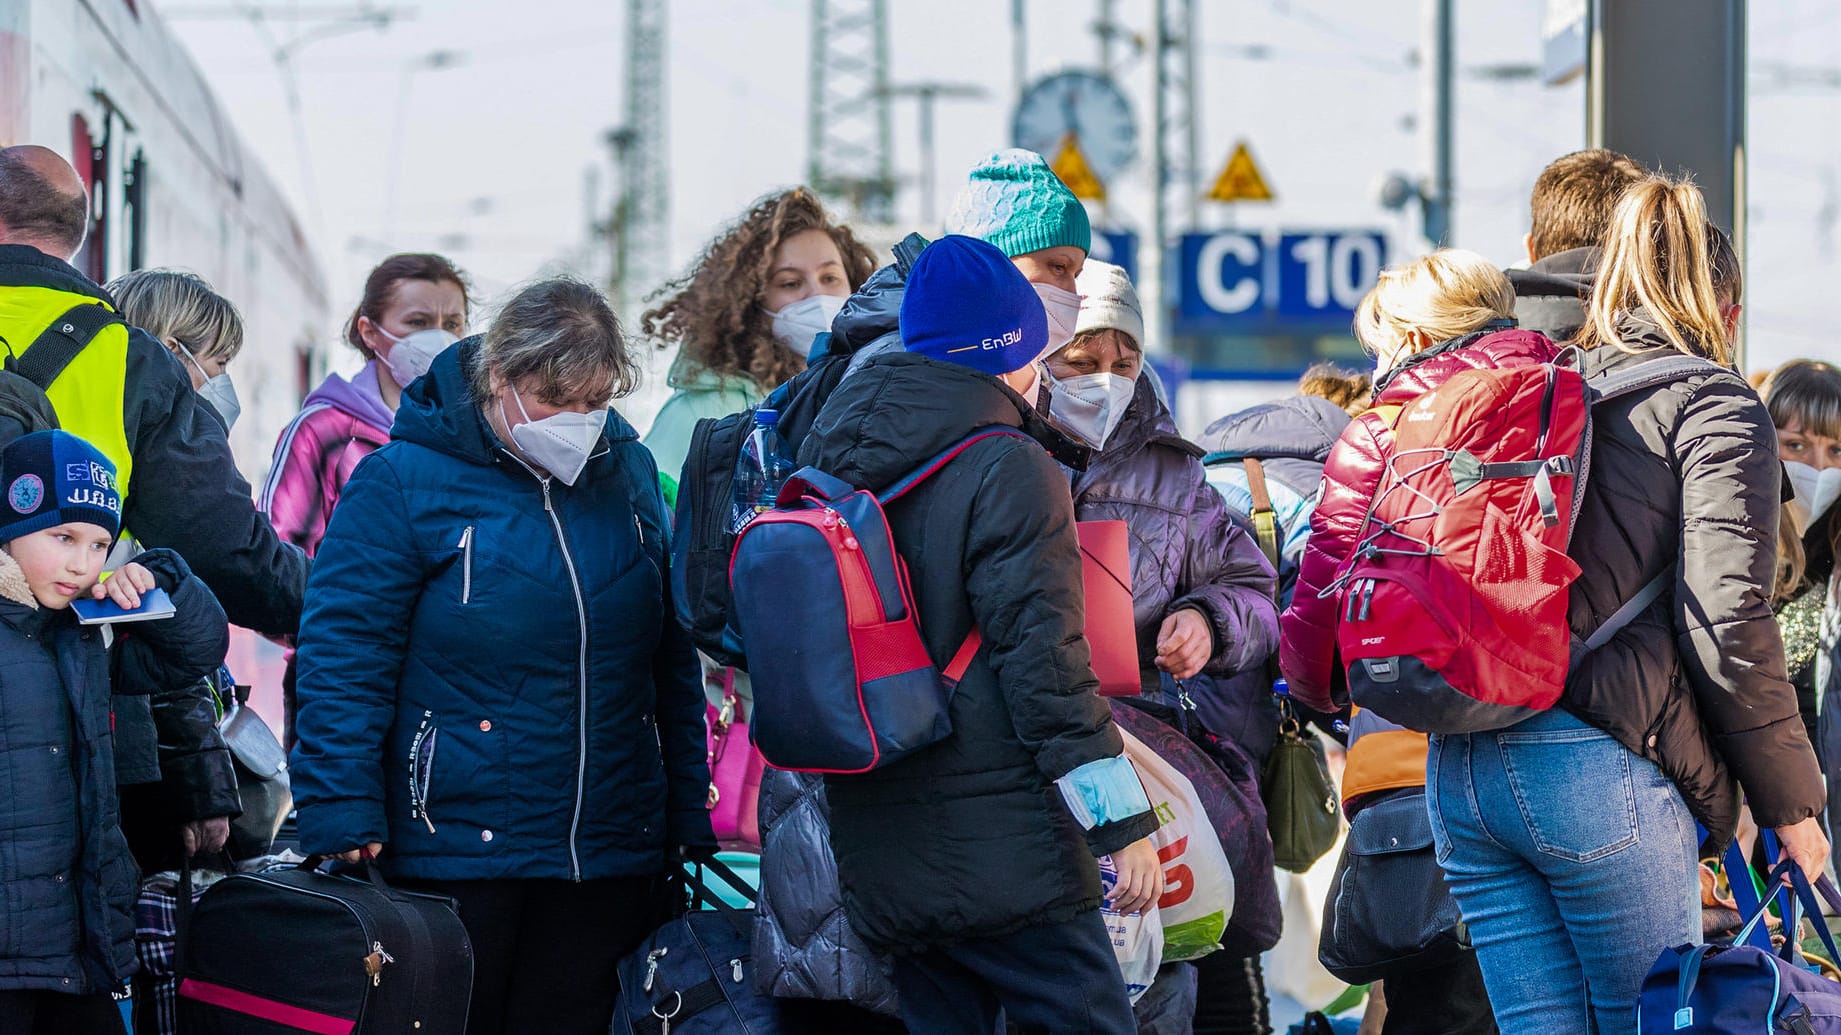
(54, 478)
(966, 303)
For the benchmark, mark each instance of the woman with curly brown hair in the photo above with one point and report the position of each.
(744, 318)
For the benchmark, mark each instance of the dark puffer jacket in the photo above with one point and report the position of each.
(1686, 478)
(1186, 553)
(970, 838)
(67, 881)
(1550, 295)
(518, 631)
(804, 944)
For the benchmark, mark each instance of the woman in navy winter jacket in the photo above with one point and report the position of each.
(493, 695)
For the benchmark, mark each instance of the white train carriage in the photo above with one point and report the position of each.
(105, 83)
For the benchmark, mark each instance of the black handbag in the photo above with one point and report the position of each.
(1302, 811)
(1389, 911)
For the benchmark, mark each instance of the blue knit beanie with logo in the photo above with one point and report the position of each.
(1016, 202)
(966, 303)
(54, 478)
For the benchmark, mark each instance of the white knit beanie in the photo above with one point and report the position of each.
(1108, 302)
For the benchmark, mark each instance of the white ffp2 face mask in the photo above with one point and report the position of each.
(1090, 406)
(560, 443)
(218, 391)
(797, 323)
(1816, 491)
(1063, 307)
(412, 354)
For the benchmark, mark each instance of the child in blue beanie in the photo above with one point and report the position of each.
(67, 880)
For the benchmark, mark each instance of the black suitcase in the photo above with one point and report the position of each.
(303, 951)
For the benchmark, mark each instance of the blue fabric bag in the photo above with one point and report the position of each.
(1742, 988)
(694, 976)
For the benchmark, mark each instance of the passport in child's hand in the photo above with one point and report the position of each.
(154, 604)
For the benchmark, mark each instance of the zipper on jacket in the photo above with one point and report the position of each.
(581, 666)
(466, 565)
(422, 768)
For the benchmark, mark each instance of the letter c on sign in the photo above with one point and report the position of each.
(1216, 293)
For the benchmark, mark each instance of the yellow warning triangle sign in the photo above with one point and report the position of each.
(1241, 180)
(1072, 167)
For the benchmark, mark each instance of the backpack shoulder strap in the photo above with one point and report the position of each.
(1650, 374)
(1265, 519)
(962, 659)
(944, 457)
(61, 342)
(1623, 616)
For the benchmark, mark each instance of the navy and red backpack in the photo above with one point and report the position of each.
(842, 681)
(1454, 601)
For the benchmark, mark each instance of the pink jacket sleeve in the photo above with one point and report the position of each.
(1307, 630)
(313, 460)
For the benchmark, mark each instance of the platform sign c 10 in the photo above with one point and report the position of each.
(1249, 282)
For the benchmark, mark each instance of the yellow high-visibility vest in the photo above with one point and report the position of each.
(89, 395)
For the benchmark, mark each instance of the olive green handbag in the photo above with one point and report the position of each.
(1302, 810)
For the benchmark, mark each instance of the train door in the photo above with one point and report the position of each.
(109, 159)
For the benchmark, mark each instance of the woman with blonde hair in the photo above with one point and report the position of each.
(1425, 323)
(196, 324)
(1569, 839)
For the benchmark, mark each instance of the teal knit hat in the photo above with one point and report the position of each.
(1016, 202)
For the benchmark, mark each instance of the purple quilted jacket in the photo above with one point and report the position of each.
(1186, 552)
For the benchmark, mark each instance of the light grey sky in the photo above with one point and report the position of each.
(494, 148)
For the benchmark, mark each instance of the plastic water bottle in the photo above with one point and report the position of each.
(761, 470)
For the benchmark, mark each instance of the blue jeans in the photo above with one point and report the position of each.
(1574, 862)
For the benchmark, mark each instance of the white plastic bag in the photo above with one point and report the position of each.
(1292, 967)
(1198, 891)
(1137, 938)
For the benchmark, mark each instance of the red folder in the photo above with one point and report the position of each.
(1112, 632)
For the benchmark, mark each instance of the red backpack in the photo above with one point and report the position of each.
(1454, 600)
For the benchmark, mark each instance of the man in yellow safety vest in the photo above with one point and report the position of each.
(122, 391)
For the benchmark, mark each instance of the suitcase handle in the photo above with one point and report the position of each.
(314, 862)
(182, 905)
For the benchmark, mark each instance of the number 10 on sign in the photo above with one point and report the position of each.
(1337, 269)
